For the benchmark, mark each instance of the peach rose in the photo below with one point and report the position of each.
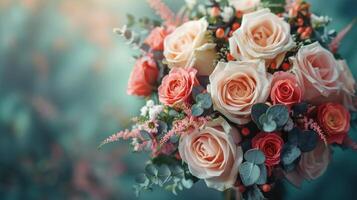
(262, 35)
(143, 77)
(245, 6)
(156, 38)
(236, 86)
(285, 89)
(212, 155)
(176, 87)
(335, 121)
(314, 163)
(318, 72)
(348, 94)
(189, 46)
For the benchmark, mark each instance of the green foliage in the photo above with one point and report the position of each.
(203, 102)
(289, 154)
(270, 119)
(254, 193)
(254, 156)
(249, 173)
(253, 171)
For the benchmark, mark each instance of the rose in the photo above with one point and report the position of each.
(245, 6)
(189, 46)
(334, 120)
(143, 77)
(347, 97)
(156, 38)
(318, 72)
(262, 35)
(236, 86)
(270, 144)
(314, 163)
(211, 154)
(176, 87)
(285, 89)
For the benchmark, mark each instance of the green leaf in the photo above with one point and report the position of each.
(254, 193)
(268, 125)
(164, 174)
(279, 113)
(263, 175)
(254, 156)
(177, 171)
(257, 110)
(289, 154)
(204, 99)
(151, 172)
(145, 135)
(197, 110)
(142, 180)
(249, 173)
(307, 140)
(131, 20)
(187, 183)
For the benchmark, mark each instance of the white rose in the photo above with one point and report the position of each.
(245, 6)
(262, 35)
(189, 46)
(212, 155)
(236, 86)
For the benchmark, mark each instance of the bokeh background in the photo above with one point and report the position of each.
(63, 76)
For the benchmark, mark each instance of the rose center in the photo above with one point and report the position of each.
(262, 33)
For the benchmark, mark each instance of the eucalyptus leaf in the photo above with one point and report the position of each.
(307, 140)
(164, 174)
(299, 108)
(187, 183)
(254, 156)
(249, 173)
(142, 180)
(197, 110)
(151, 170)
(253, 193)
(145, 135)
(289, 154)
(257, 110)
(267, 122)
(204, 99)
(279, 113)
(263, 175)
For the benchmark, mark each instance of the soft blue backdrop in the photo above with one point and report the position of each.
(63, 76)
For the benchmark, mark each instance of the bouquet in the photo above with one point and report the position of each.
(239, 93)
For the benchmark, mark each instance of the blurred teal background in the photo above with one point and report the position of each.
(63, 76)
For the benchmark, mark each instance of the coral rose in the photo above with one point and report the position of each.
(270, 144)
(236, 86)
(212, 155)
(244, 6)
(314, 163)
(285, 89)
(143, 77)
(335, 121)
(176, 87)
(156, 38)
(262, 35)
(189, 46)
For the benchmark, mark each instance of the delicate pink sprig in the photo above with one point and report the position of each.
(335, 43)
(311, 124)
(125, 135)
(163, 11)
(348, 142)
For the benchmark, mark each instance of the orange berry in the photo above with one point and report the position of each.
(235, 26)
(266, 188)
(241, 189)
(230, 57)
(220, 33)
(301, 30)
(239, 14)
(285, 66)
(215, 12)
(273, 65)
(245, 131)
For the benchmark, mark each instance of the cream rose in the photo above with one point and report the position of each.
(314, 163)
(318, 72)
(189, 46)
(212, 155)
(236, 86)
(262, 35)
(245, 6)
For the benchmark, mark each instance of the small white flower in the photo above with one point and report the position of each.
(227, 14)
(319, 20)
(144, 111)
(135, 144)
(191, 3)
(202, 9)
(150, 103)
(155, 111)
